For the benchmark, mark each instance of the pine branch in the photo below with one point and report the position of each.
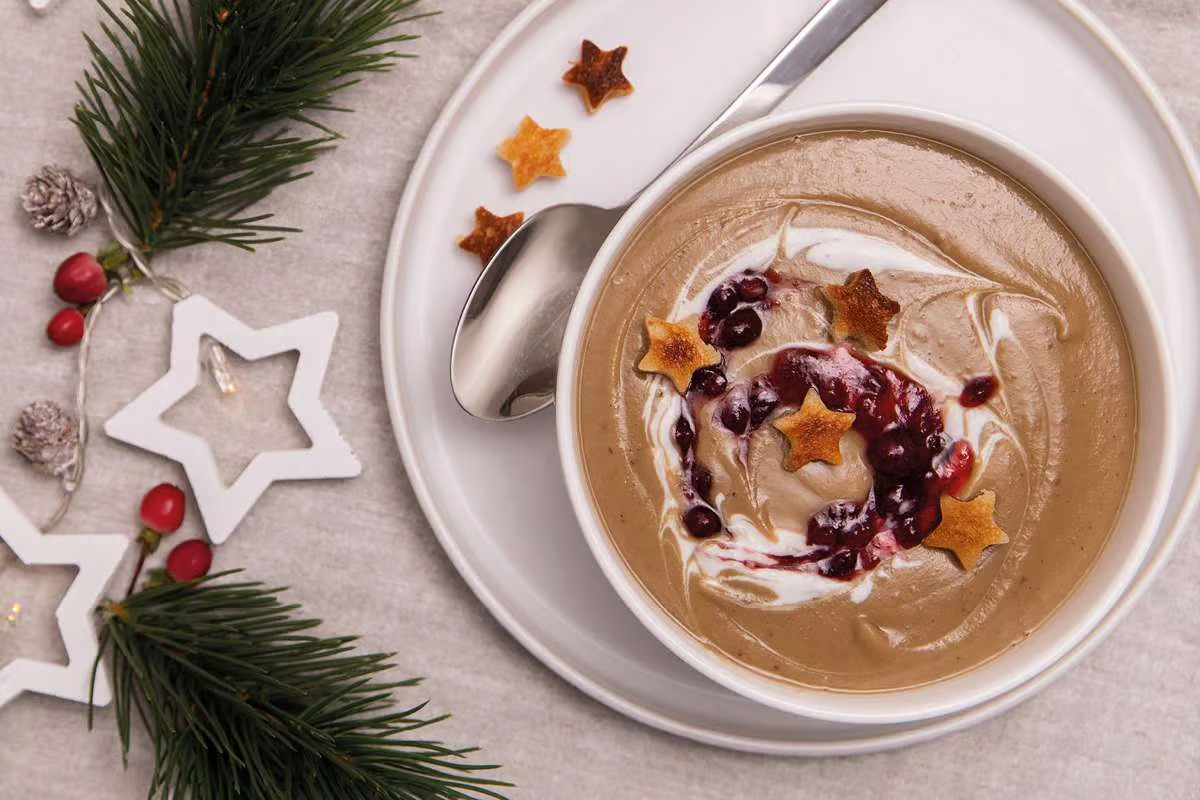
(195, 110)
(241, 700)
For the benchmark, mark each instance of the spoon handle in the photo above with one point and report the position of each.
(825, 32)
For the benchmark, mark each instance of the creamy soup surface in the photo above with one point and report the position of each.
(990, 285)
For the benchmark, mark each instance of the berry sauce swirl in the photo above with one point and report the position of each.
(914, 462)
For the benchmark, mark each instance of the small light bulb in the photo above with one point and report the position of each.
(218, 365)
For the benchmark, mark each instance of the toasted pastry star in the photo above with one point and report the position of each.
(814, 433)
(676, 350)
(533, 152)
(598, 75)
(967, 528)
(490, 232)
(860, 310)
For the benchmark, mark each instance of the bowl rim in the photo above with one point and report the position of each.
(890, 706)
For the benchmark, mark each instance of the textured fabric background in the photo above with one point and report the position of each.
(1126, 723)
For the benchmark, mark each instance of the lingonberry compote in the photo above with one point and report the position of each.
(913, 460)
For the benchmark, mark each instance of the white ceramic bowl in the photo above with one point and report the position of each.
(1139, 518)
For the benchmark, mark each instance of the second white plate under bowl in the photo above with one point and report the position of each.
(494, 493)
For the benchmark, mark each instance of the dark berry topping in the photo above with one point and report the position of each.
(895, 500)
(914, 460)
(706, 326)
(978, 391)
(741, 328)
(751, 290)
(685, 435)
(702, 481)
(702, 522)
(953, 468)
(735, 415)
(895, 453)
(935, 443)
(909, 532)
(869, 559)
(763, 401)
(710, 381)
(835, 523)
(840, 564)
(722, 301)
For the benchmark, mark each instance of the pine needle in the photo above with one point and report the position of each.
(195, 110)
(242, 700)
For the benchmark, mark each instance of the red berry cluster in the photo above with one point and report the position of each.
(80, 281)
(161, 514)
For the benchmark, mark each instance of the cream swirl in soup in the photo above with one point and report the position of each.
(1006, 371)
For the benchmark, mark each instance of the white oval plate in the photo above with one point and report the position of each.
(494, 493)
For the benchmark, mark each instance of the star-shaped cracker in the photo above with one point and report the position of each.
(490, 232)
(860, 310)
(676, 350)
(814, 433)
(598, 75)
(968, 527)
(533, 152)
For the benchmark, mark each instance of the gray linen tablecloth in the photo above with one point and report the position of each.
(1124, 724)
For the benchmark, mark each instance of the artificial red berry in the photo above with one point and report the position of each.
(80, 279)
(189, 560)
(162, 508)
(65, 328)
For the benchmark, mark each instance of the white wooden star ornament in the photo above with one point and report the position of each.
(97, 556)
(223, 507)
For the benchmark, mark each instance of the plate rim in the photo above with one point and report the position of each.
(393, 281)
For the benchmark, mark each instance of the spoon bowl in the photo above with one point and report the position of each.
(506, 348)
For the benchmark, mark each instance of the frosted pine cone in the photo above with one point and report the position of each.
(58, 201)
(47, 436)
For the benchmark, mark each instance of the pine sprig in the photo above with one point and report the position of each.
(195, 110)
(242, 700)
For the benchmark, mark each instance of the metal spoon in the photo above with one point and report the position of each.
(505, 356)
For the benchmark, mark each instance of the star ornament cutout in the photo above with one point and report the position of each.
(967, 528)
(97, 557)
(814, 433)
(599, 75)
(534, 152)
(490, 232)
(860, 310)
(223, 507)
(676, 351)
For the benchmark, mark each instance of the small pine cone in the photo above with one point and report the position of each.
(47, 436)
(58, 201)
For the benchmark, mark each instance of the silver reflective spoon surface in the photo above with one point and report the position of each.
(504, 362)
